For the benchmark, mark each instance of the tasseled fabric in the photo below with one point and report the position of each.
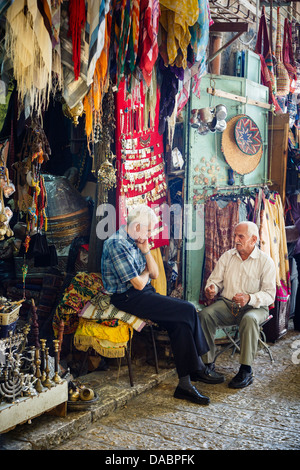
(77, 18)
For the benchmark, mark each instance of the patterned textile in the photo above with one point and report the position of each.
(148, 47)
(200, 31)
(83, 287)
(73, 90)
(56, 52)
(124, 37)
(99, 308)
(278, 245)
(77, 20)
(219, 235)
(95, 27)
(28, 43)
(176, 18)
(108, 342)
(247, 136)
(93, 99)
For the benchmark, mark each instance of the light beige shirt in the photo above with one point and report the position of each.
(255, 276)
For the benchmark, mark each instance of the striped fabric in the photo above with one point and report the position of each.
(95, 30)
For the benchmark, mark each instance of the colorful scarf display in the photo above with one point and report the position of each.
(28, 44)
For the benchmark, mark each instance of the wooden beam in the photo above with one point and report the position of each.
(229, 27)
(241, 99)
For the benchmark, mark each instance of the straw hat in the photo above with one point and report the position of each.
(242, 144)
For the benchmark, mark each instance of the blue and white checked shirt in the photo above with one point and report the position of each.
(121, 261)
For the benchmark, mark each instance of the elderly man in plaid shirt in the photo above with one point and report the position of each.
(127, 268)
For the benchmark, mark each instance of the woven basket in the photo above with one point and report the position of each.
(282, 76)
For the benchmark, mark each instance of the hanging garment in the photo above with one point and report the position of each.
(28, 44)
(77, 20)
(148, 46)
(263, 49)
(73, 90)
(176, 18)
(219, 235)
(278, 245)
(200, 31)
(56, 53)
(93, 99)
(96, 13)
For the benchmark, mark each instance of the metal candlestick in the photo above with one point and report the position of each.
(56, 377)
(43, 345)
(38, 384)
(47, 383)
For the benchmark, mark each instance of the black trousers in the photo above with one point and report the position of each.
(178, 317)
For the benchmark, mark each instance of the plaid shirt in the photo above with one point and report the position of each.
(121, 261)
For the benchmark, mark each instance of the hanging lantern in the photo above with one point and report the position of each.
(73, 113)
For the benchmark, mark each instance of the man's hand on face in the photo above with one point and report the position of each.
(210, 292)
(143, 246)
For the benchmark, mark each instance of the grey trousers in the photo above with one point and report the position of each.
(220, 314)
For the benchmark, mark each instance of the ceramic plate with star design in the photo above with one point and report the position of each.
(247, 136)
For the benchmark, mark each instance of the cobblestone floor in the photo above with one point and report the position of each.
(263, 416)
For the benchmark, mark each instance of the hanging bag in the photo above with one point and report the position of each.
(266, 59)
(282, 76)
(296, 46)
(288, 58)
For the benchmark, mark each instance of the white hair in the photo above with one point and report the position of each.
(143, 215)
(251, 227)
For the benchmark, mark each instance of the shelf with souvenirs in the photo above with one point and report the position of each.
(30, 381)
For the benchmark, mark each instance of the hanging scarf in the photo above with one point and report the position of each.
(95, 27)
(28, 44)
(93, 100)
(56, 52)
(148, 46)
(124, 37)
(176, 18)
(77, 20)
(200, 31)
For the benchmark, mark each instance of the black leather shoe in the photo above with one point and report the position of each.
(209, 376)
(241, 380)
(192, 395)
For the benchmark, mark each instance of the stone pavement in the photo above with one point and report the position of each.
(263, 416)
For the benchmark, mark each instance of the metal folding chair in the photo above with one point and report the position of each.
(232, 333)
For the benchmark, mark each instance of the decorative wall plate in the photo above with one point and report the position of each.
(247, 136)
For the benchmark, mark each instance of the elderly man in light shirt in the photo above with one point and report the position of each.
(244, 280)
